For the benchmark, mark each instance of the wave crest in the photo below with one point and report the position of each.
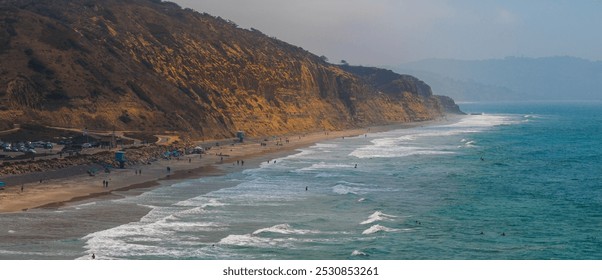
(378, 228)
(283, 229)
(378, 216)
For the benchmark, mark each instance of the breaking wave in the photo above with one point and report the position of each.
(378, 216)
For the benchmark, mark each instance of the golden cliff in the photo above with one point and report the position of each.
(153, 66)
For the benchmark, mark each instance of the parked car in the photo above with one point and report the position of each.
(48, 145)
(39, 144)
(86, 145)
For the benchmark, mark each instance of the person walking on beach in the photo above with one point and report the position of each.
(104, 183)
(168, 169)
(242, 162)
(22, 187)
(93, 256)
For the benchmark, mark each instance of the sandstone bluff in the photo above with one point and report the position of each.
(153, 66)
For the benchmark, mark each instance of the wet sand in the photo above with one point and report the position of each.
(62, 187)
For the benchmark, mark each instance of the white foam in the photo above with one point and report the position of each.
(409, 143)
(213, 203)
(302, 153)
(79, 206)
(378, 216)
(325, 145)
(379, 228)
(192, 211)
(483, 121)
(159, 224)
(397, 151)
(361, 199)
(327, 175)
(250, 240)
(470, 144)
(284, 229)
(201, 201)
(166, 226)
(343, 189)
(156, 213)
(137, 239)
(358, 253)
(323, 165)
(11, 231)
(117, 241)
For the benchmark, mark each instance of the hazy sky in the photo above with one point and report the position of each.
(388, 32)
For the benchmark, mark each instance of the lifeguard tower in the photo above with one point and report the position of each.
(240, 135)
(120, 157)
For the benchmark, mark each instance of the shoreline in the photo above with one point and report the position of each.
(71, 189)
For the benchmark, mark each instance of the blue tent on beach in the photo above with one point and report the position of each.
(2, 185)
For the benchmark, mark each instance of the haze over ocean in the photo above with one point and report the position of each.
(520, 181)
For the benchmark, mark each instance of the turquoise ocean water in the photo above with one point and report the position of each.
(520, 181)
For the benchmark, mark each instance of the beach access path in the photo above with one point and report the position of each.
(71, 188)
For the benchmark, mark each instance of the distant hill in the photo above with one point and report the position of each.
(512, 78)
(153, 66)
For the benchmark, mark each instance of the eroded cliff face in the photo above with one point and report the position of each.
(152, 66)
(399, 86)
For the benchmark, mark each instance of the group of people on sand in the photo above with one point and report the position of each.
(105, 184)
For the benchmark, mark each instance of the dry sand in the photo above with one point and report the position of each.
(73, 188)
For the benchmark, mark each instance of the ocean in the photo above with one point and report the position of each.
(515, 181)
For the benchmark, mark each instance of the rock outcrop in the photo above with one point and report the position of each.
(153, 66)
(395, 85)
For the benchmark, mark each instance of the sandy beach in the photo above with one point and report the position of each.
(56, 191)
